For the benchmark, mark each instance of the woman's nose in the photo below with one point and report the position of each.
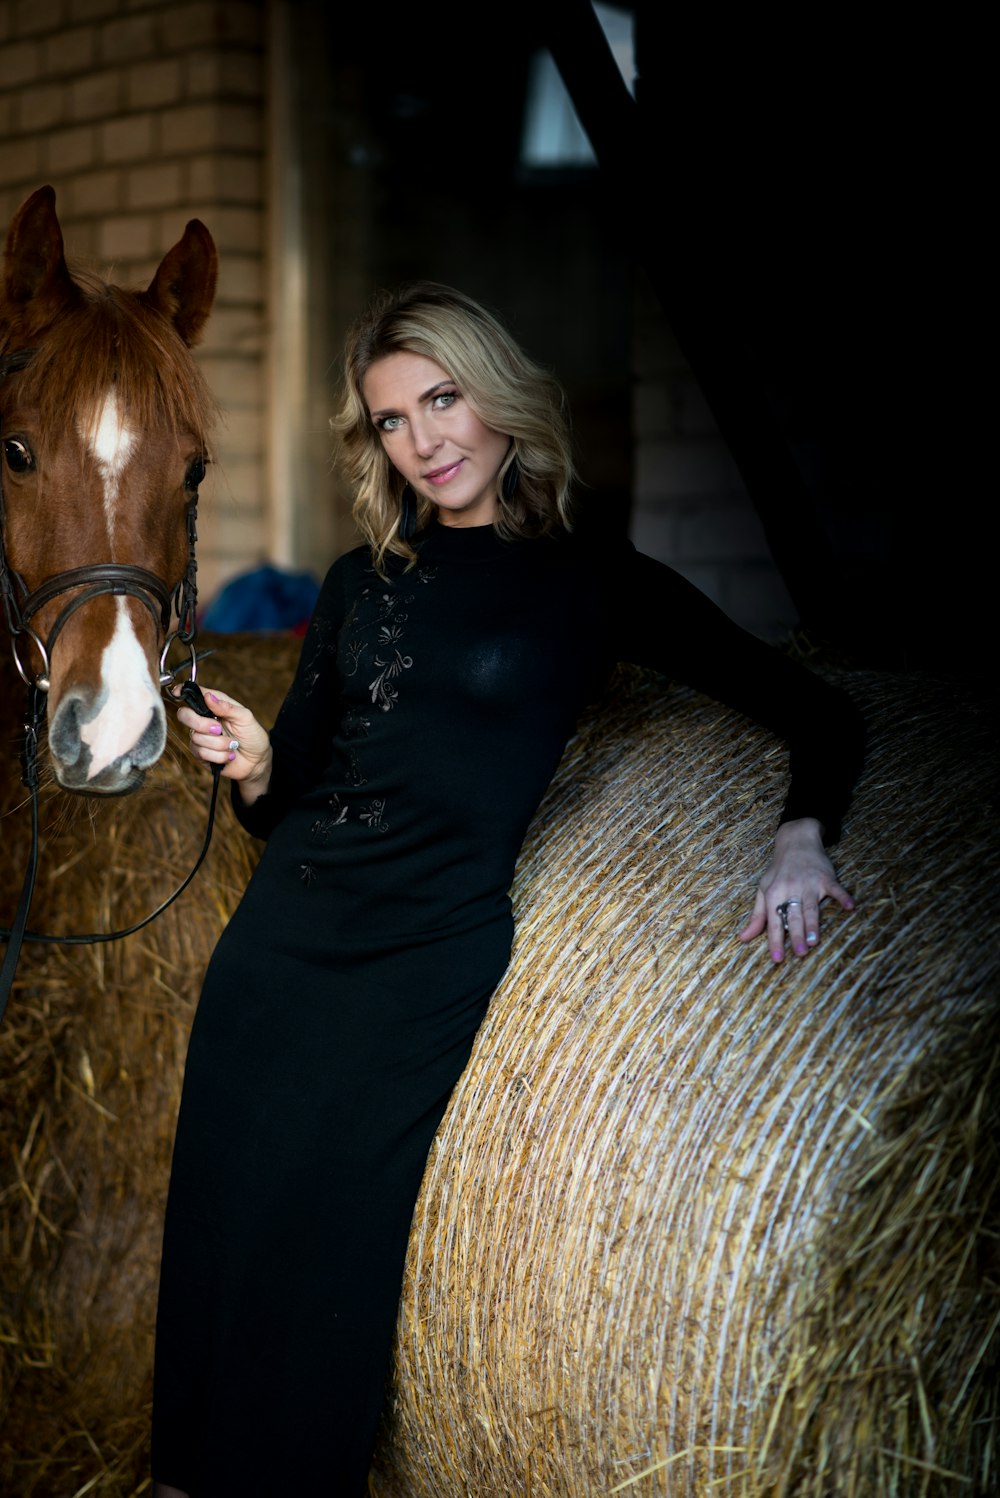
(426, 439)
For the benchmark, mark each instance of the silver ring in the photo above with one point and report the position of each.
(782, 910)
(234, 744)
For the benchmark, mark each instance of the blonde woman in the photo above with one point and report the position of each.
(445, 667)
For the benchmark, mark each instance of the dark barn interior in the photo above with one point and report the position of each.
(760, 188)
(770, 197)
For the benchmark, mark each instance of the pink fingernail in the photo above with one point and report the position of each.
(777, 954)
(215, 728)
(232, 754)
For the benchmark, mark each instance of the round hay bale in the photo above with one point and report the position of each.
(695, 1224)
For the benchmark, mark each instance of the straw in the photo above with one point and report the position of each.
(693, 1224)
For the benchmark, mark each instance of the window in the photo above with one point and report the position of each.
(553, 135)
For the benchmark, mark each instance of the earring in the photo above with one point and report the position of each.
(508, 487)
(407, 514)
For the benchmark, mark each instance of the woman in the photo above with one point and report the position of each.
(445, 666)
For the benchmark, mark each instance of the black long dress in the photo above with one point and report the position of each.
(426, 719)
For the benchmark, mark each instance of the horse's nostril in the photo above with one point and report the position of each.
(64, 731)
(151, 743)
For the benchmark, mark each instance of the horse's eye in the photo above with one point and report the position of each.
(18, 454)
(195, 473)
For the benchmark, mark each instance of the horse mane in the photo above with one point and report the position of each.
(111, 337)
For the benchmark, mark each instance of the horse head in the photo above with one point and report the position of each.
(104, 420)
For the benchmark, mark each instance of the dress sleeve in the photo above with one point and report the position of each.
(303, 730)
(664, 622)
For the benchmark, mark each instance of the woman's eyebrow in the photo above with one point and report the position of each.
(425, 396)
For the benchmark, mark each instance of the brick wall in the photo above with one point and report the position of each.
(143, 114)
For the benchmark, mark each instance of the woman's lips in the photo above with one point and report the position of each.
(442, 475)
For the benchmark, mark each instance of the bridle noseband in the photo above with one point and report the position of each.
(120, 579)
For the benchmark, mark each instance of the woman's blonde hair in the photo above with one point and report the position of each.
(505, 389)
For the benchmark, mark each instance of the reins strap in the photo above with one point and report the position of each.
(21, 918)
(29, 775)
(18, 934)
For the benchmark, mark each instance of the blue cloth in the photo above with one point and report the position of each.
(266, 598)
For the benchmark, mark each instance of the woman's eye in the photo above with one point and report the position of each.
(445, 399)
(389, 423)
(195, 474)
(18, 455)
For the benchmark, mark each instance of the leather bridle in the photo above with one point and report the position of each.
(118, 578)
(21, 605)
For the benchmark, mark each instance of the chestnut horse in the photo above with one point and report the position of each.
(104, 421)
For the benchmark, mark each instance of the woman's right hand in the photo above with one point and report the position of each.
(233, 739)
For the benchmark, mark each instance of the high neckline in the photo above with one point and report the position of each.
(468, 542)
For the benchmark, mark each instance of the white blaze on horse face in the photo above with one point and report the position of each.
(130, 701)
(111, 442)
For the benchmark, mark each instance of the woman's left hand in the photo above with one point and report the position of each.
(799, 877)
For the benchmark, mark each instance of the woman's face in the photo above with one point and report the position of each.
(435, 440)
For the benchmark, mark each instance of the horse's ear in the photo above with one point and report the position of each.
(183, 288)
(35, 285)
